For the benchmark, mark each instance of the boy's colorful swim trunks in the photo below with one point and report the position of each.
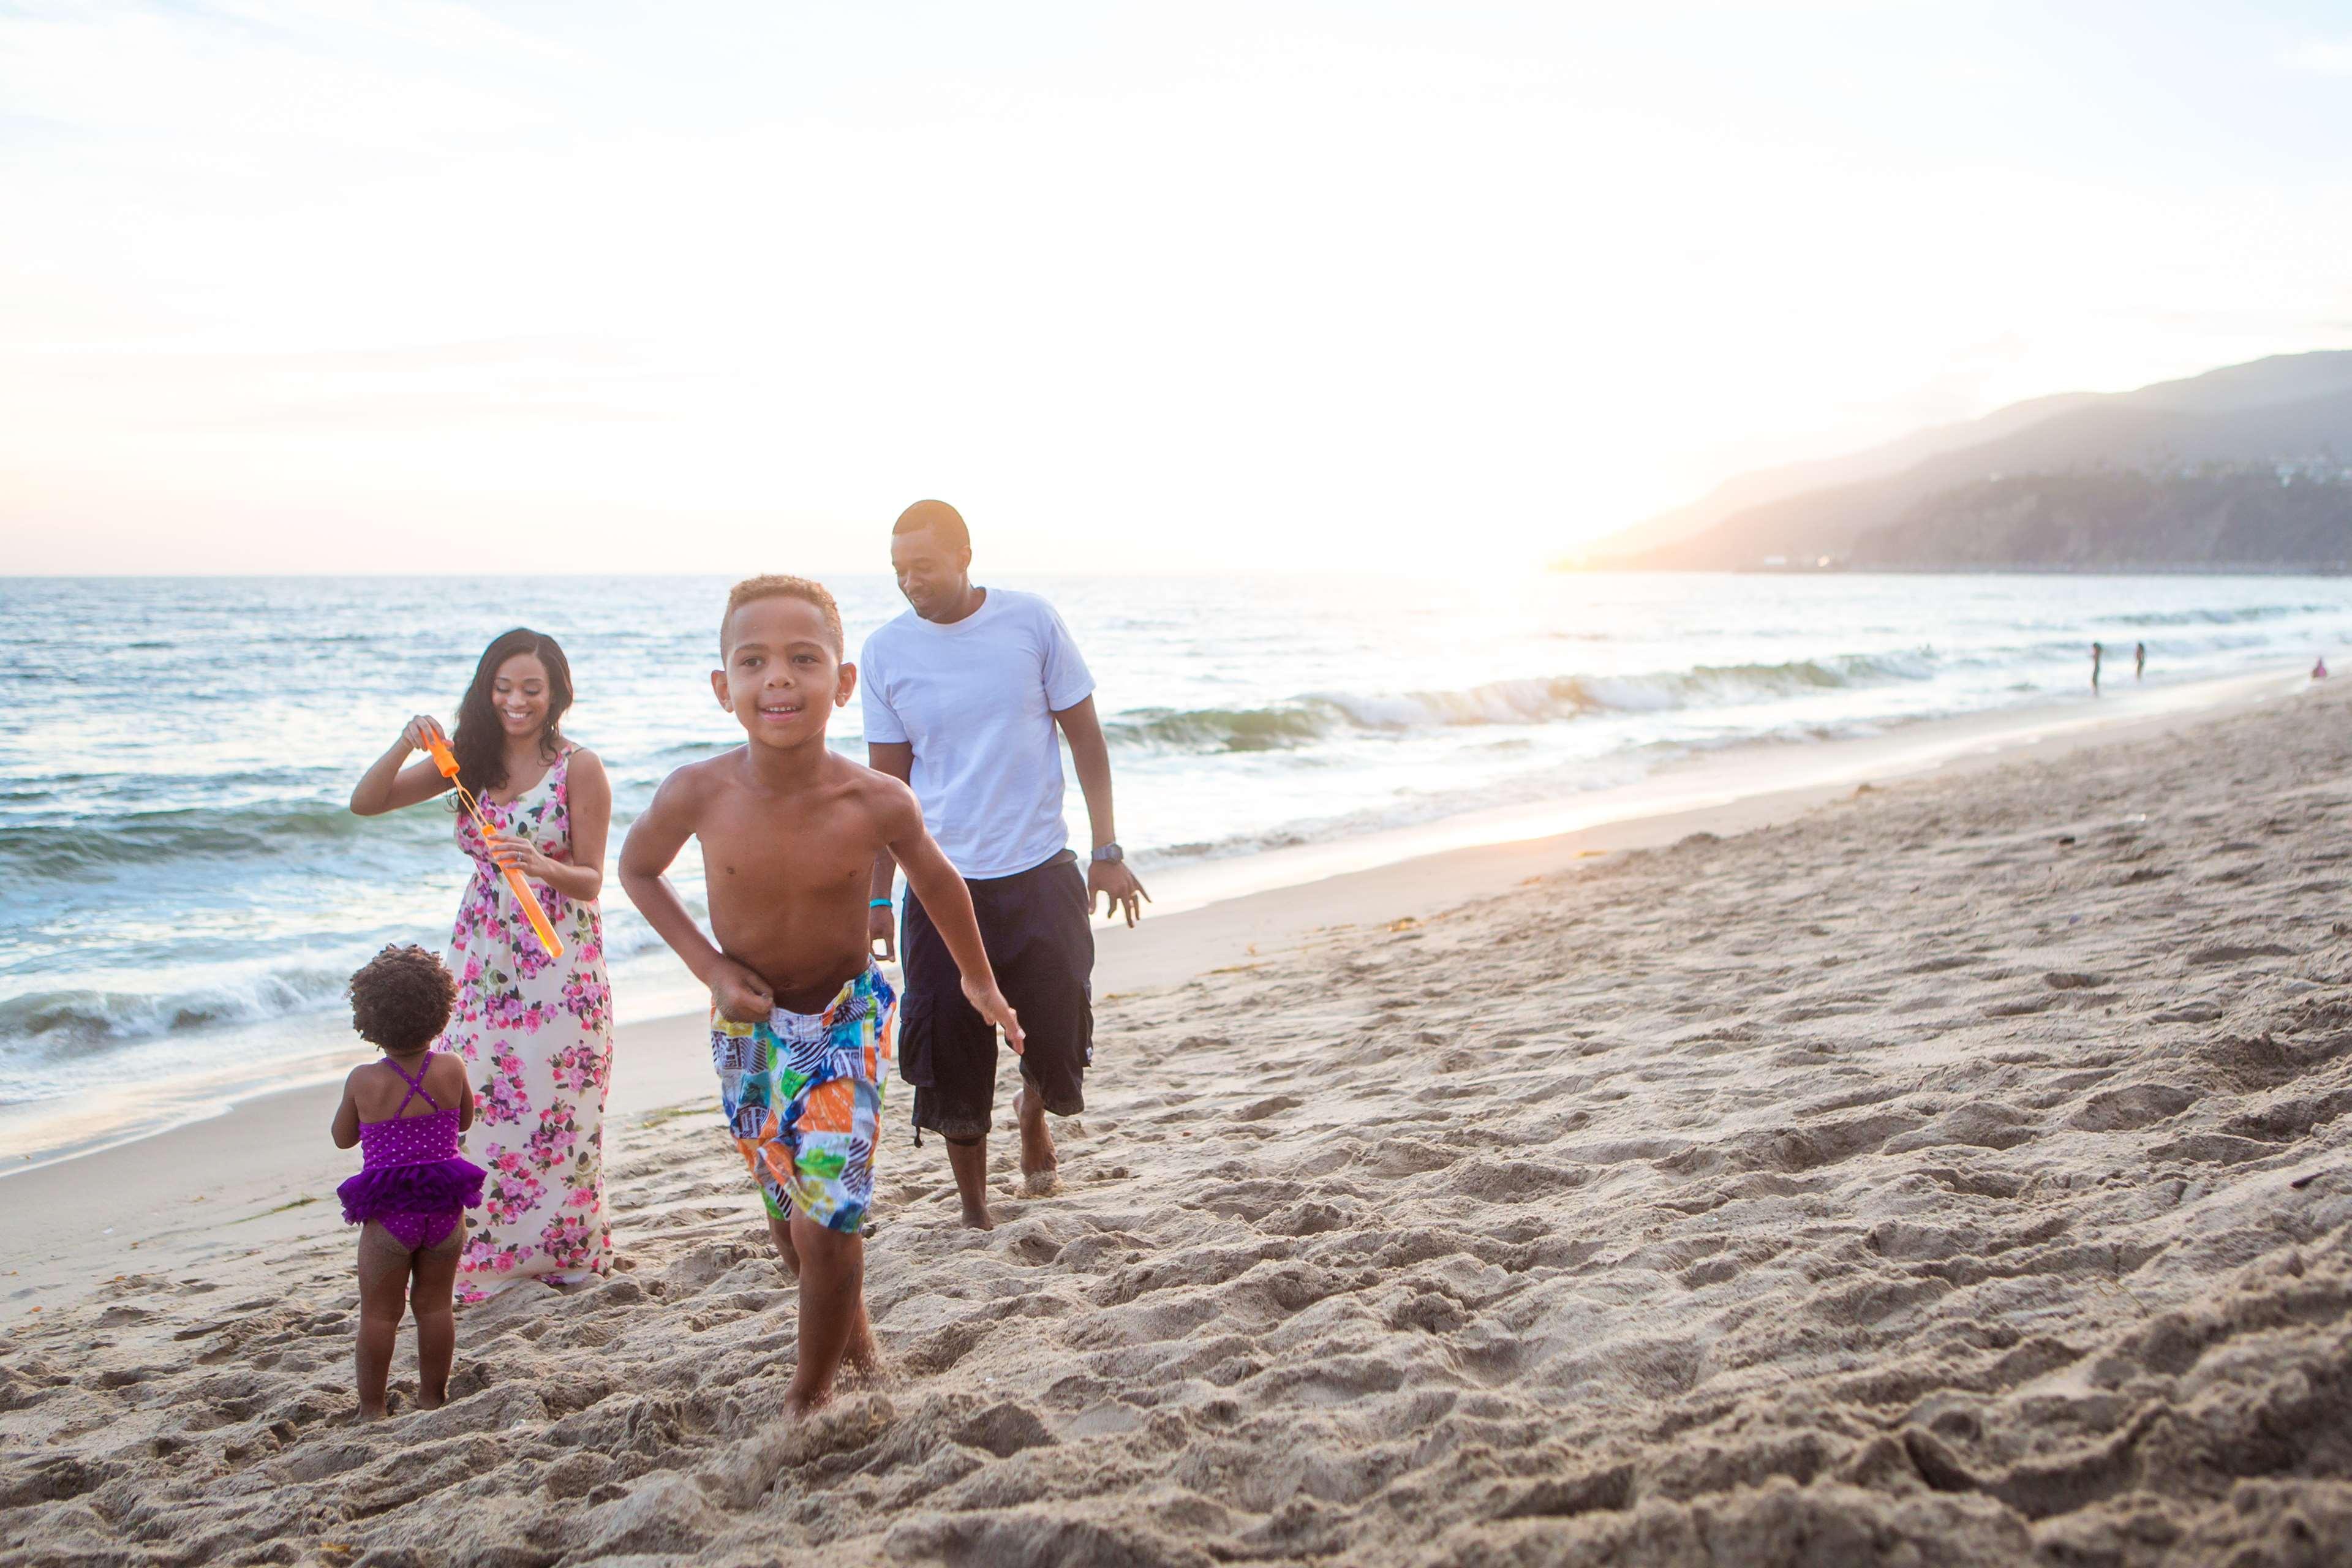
(803, 1095)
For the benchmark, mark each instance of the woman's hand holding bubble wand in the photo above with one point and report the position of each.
(447, 761)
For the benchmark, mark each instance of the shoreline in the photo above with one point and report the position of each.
(261, 1164)
(1737, 772)
(32, 1140)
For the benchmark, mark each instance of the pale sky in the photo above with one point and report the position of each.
(1225, 285)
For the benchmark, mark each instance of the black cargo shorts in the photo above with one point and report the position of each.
(1036, 925)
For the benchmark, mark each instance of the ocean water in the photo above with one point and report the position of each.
(182, 891)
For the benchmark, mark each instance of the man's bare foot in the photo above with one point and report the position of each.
(377, 1413)
(969, 1160)
(1039, 1163)
(799, 1405)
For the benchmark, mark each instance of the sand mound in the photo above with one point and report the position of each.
(1957, 1175)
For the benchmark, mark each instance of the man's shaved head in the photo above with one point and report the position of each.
(935, 517)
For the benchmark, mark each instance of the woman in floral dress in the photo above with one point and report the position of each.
(536, 1031)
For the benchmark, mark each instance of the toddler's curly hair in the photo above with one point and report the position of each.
(401, 999)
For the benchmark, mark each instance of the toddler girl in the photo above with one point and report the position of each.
(410, 1199)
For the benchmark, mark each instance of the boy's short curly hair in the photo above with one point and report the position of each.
(775, 585)
(401, 999)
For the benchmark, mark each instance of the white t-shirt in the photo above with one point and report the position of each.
(977, 700)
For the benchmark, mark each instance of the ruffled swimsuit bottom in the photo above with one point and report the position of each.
(413, 1181)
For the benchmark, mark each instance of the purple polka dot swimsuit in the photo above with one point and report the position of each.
(413, 1181)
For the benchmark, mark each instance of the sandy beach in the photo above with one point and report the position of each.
(1951, 1170)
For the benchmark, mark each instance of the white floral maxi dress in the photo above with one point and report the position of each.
(537, 1035)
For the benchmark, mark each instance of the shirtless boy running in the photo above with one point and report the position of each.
(801, 1020)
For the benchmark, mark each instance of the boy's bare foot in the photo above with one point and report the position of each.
(977, 1217)
(780, 1231)
(1039, 1163)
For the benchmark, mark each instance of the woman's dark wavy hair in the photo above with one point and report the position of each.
(480, 742)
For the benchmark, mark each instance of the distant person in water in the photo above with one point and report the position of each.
(2098, 652)
(535, 1033)
(2319, 669)
(2139, 659)
(801, 1016)
(964, 695)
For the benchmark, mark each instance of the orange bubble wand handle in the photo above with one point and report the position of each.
(447, 761)
(537, 916)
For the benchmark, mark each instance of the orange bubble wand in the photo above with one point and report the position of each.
(447, 761)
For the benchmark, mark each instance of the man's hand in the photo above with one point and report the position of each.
(991, 1005)
(1112, 887)
(880, 926)
(740, 994)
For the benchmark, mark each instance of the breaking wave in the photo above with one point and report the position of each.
(239, 833)
(1306, 720)
(63, 1022)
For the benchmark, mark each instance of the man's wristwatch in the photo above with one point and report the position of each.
(1110, 855)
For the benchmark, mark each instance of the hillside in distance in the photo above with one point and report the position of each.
(1764, 486)
(2290, 414)
(2212, 520)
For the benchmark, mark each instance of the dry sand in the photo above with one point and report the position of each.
(1954, 1174)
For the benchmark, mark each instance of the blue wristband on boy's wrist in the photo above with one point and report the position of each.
(878, 904)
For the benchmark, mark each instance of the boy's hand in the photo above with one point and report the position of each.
(881, 928)
(991, 1005)
(740, 994)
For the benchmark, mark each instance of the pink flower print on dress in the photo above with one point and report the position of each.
(501, 1098)
(531, 960)
(552, 1143)
(509, 1195)
(582, 1067)
(587, 1000)
(483, 1252)
(565, 1239)
(508, 1010)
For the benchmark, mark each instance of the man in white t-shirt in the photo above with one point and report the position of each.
(964, 696)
